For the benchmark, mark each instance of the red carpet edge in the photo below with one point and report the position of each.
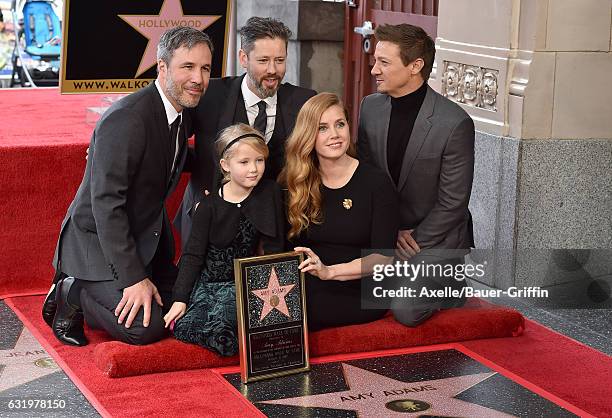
(58, 359)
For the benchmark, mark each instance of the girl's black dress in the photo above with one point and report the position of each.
(221, 232)
(360, 216)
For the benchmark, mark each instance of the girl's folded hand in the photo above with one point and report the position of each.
(176, 312)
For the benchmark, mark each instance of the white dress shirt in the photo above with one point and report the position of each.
(250, 103)
(171, 114)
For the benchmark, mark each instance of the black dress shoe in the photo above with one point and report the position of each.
(68, 321)
(49, 307)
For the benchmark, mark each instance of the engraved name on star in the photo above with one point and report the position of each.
(373, 395)
(25, 362)
(152, 27)
(273, 296)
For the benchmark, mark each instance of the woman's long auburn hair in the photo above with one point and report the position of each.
(301, 173)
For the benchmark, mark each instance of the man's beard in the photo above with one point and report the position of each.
(263, 92)
(174, 91)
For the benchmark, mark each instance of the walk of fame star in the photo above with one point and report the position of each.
(25, 362)
(373, 395)
(152, 27)
(273, 296)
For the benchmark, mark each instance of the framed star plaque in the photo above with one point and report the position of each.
(110, 46)
(271, 306)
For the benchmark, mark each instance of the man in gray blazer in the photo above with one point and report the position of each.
(115, 251)
(425, 143)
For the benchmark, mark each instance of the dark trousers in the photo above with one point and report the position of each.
(99, 300)
(332, 303)
(414, 311)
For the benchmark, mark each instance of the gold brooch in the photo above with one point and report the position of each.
(347, 203)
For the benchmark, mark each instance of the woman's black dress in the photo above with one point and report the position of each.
(362, 215)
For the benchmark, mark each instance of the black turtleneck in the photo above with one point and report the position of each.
(404, 111)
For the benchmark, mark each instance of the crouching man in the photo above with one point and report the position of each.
(114, 257)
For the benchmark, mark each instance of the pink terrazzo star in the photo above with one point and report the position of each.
(152, 27)
(373, 395)
(273, 296)
(26, 362)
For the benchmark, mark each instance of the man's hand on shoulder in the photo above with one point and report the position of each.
(134, 297)
(206, 193)
(406, 245)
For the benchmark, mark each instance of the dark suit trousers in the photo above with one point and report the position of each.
(99, 300)
(414, 311)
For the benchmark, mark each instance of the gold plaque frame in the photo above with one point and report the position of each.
(275, 343)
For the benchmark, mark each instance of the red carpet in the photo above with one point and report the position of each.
(42, 148)
(117, 359)
(194, 393)
(43, 137)
(567, 369)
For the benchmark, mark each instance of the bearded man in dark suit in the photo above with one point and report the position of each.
(257, 98)
(114, 257)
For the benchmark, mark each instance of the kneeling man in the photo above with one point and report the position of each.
(114, 257)
(425, 143)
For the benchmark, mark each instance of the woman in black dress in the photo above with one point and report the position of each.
(227, 224)
(337, 208)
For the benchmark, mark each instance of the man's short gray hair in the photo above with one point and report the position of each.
(259, 28)
(180, 36)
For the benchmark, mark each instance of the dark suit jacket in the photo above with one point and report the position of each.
(222, 106)
(115, 222)
(436, 177)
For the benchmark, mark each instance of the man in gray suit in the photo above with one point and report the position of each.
(425, 143)
(114, 257)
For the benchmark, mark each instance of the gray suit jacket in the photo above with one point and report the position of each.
(436, 177)
(115, 222)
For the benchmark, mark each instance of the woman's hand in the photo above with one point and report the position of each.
(313, 265)
(176, 312)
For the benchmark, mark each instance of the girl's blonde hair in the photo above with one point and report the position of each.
(225, 148)
(301, 172)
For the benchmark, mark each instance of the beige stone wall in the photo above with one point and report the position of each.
(573, 50)
(550, 62)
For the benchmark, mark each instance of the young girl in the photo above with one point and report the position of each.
(229, 223)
